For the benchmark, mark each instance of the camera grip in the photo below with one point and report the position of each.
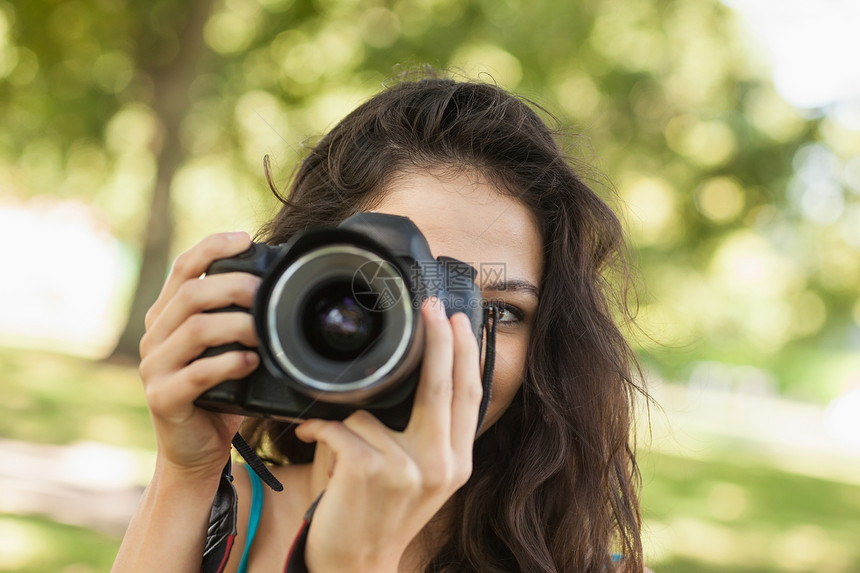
(254, 260)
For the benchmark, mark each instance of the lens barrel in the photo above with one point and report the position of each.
(340, 322)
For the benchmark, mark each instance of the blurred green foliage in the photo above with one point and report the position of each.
(742, 258)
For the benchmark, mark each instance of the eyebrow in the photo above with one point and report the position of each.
(513, 285)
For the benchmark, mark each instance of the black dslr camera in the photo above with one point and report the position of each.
(339, 322)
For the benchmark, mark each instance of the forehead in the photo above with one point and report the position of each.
(466, 217)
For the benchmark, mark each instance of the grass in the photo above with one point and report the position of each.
(704, 516)
(31, 544)
(56, 399)
(740, 517)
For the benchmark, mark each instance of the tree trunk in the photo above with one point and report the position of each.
(171, 83)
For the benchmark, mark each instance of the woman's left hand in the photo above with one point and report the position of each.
(385, 485)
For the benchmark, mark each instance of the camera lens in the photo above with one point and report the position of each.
(338, 326)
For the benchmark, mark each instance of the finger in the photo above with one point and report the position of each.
(194, 262)
(194, 296)
(371, 430)
(348, 447)
(195, 335)
(170, 395)
(467, 386)
(431, 412)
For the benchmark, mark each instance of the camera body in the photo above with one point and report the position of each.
(339, 322)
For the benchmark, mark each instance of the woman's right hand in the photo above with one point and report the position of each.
(190, 439)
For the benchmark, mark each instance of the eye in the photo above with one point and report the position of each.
(508, 315)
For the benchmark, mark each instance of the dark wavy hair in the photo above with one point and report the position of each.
(555, 481)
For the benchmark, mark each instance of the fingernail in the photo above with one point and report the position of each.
(237, 236)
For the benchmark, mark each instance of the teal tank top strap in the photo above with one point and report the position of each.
(254, 517)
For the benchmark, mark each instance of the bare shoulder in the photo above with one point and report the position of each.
(648, 570)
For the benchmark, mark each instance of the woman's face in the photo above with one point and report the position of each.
(464, 216)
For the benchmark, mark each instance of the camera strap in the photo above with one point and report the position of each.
(489, 361)
(255, 463)
(221, 532)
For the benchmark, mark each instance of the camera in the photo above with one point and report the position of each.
(339, 322)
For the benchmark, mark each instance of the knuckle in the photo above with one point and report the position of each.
(195, 375)
(404, 474)
(326, 429)
(143, 347)
(236, 362)
(149, 317)
(218, 241)
(439, 477)
(182, 264)
(215, 246)
(155, 398)
(195, 326)
(186, 293)
(249, 284)
(474, 392)
(248, 332)
(145, 368)
(442, 387)
(462, 472)
(411, 475)
(364, 463)
(435, 481)
(359, 418)
(372, 464)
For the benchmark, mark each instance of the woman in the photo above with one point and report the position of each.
(549, 484)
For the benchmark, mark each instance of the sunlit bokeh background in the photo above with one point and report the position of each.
(727, 134)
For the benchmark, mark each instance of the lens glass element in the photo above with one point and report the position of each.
(336, 325)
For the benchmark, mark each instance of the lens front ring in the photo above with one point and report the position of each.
(333, 381)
